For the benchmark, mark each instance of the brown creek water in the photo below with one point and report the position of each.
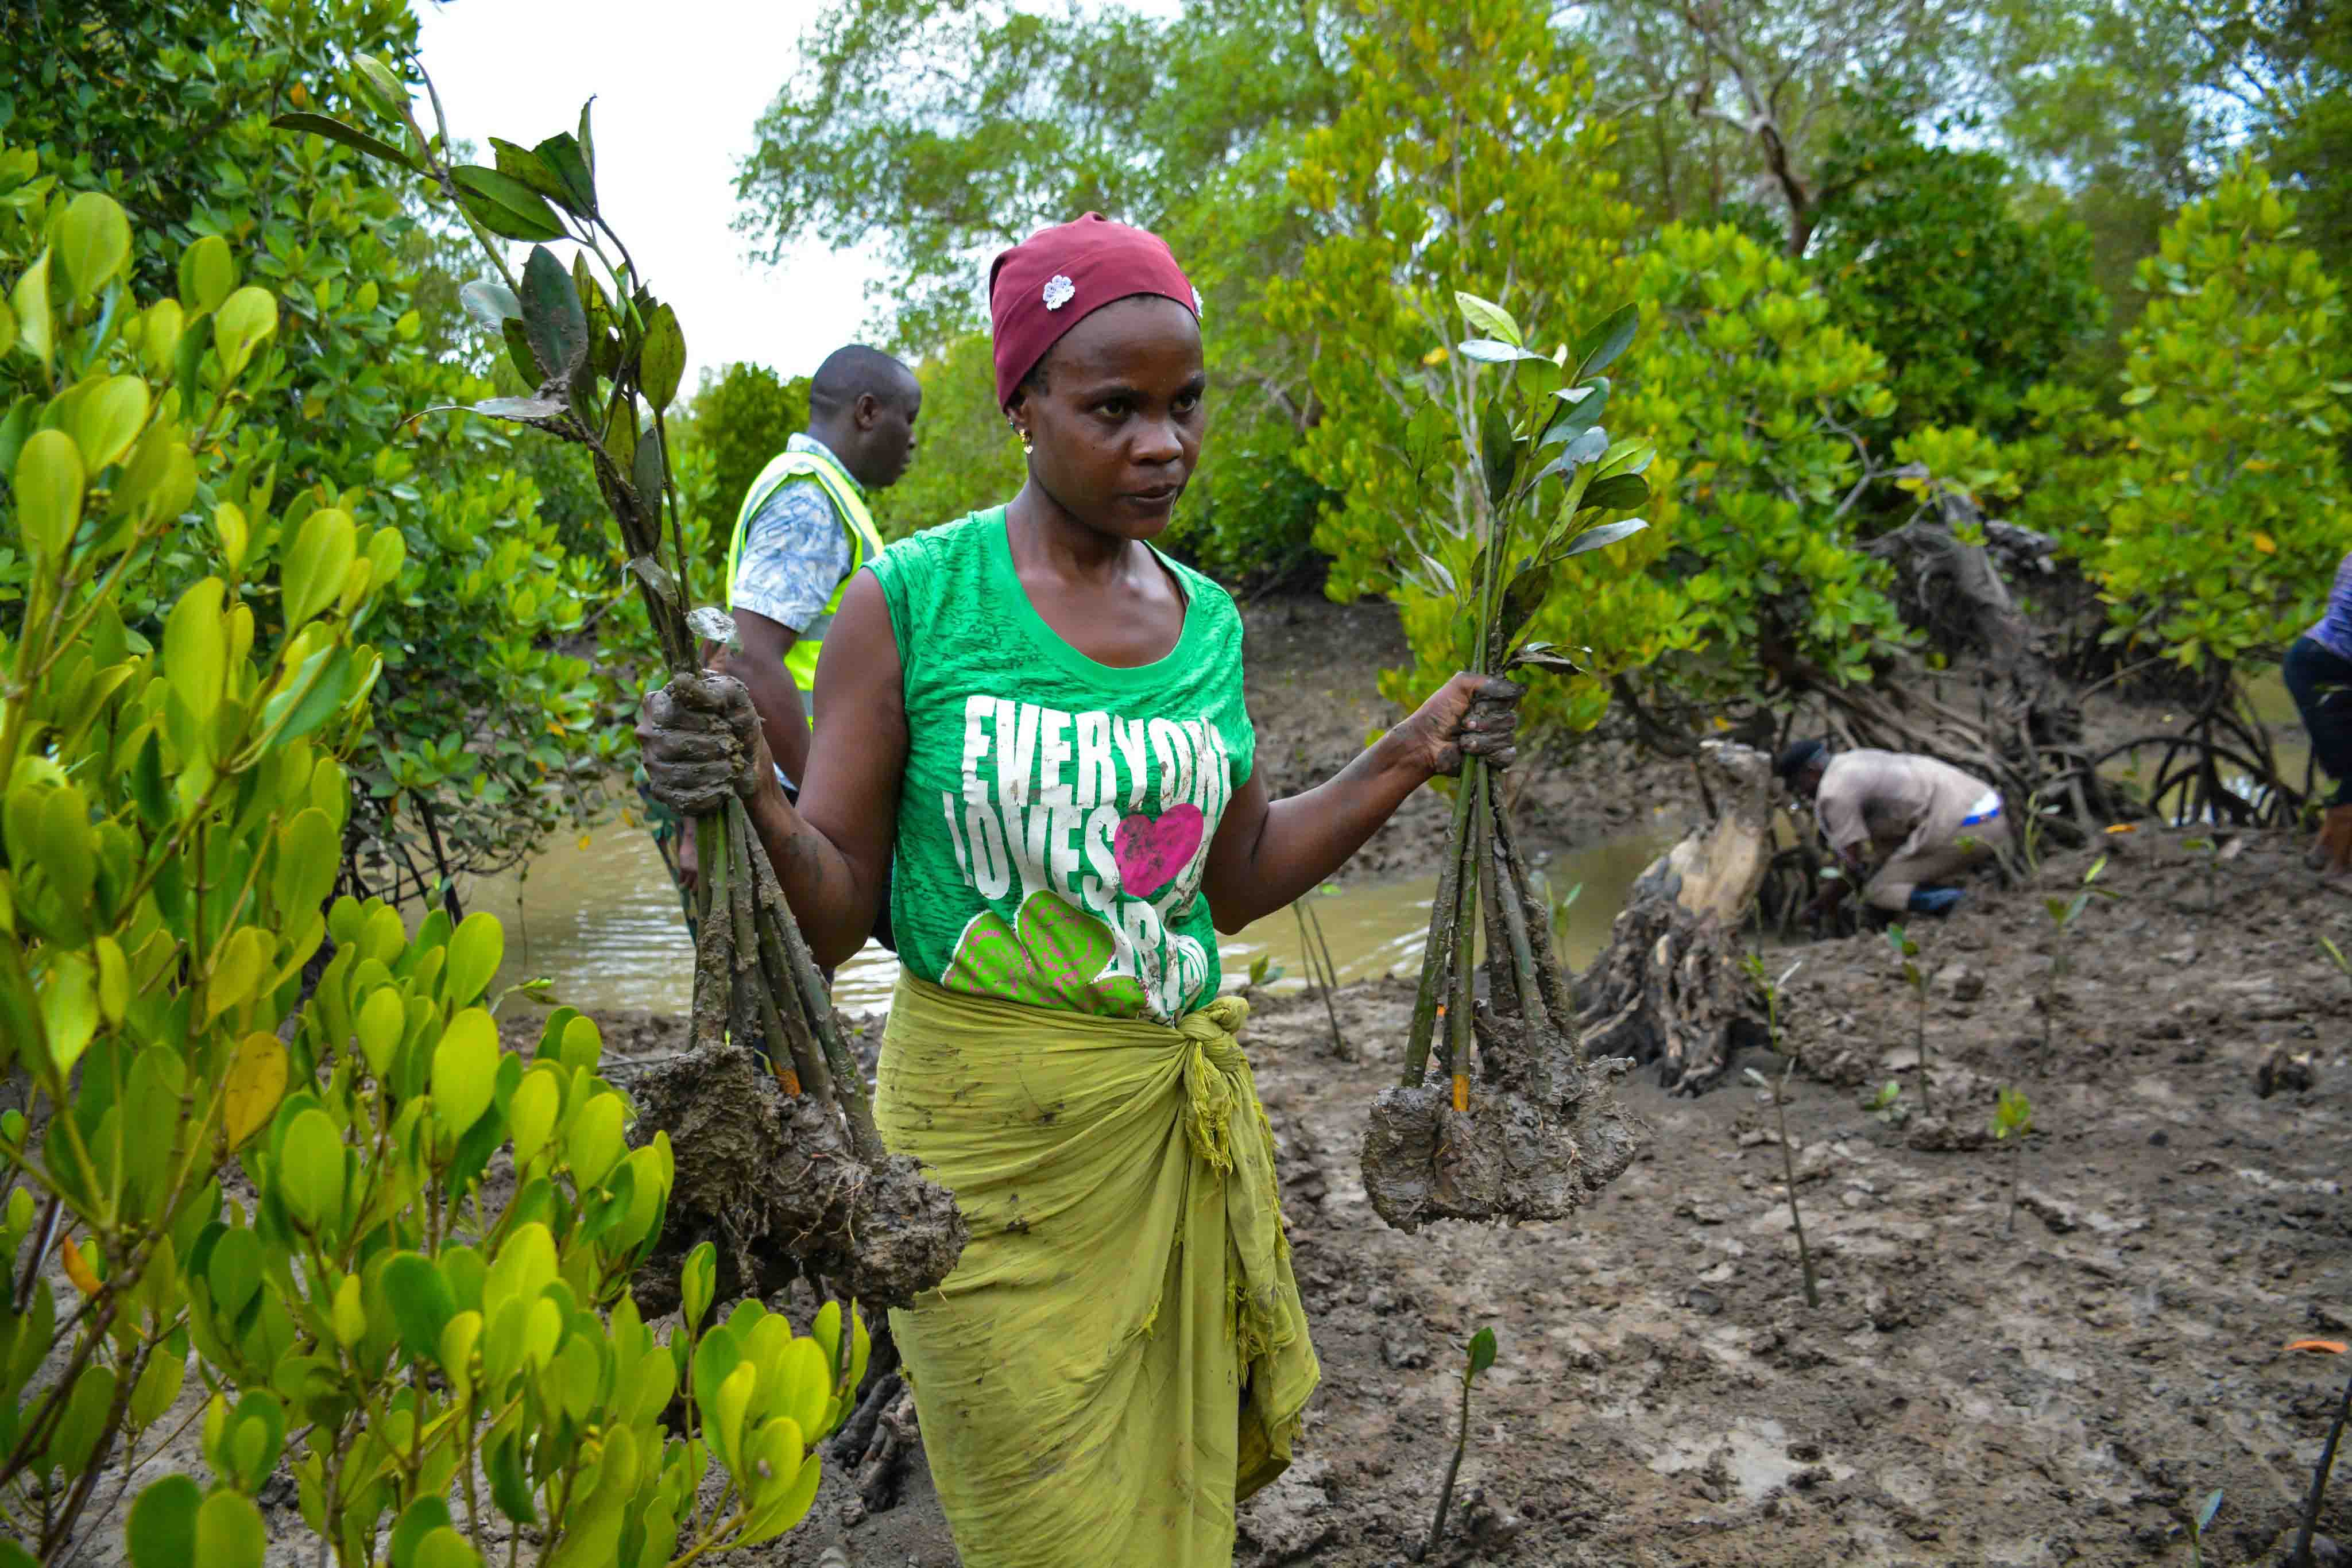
(598, 916)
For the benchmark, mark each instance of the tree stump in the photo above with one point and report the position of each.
(1672, 986)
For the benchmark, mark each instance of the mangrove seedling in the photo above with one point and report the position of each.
(1559, 908)
(2012, 1118)
(2199, 1523)
(1321, 973)
(2063, 913)
(1481, 1356)
(2210, 847)
(602, 358)
(2335, 956)
(1520, 480)
(1907, 952)
(1887, 1104)
(1780, 1094)
(1263, 971)
(2301, 1556)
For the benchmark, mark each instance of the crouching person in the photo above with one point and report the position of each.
(1922, 821)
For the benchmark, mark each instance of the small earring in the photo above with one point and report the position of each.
(1028, 445)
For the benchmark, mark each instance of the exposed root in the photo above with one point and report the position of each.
(771, 1182)
(1670, 986)
(1544, 1132)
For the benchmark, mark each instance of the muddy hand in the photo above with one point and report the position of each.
(1470, 716)
(702, 743)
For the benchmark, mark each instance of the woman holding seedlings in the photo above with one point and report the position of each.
(1041, 718)
(2318, 672)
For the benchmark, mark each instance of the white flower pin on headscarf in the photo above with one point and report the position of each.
(1058, 290)
(1197, 307)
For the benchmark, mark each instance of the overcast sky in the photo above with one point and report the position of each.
(679, 87)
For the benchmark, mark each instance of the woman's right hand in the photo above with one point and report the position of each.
(702, 743)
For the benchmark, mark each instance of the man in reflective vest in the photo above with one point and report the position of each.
(801, 533)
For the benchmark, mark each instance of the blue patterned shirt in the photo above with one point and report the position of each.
(796, 550)
(2334, 632)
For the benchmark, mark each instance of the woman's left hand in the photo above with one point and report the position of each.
(1470, 716)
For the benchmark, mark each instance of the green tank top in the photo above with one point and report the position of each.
(1056, 814)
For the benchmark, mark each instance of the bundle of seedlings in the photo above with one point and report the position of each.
(1500, 1115)
(778, 1162)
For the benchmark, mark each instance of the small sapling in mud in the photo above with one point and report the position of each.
(1559, 908)
(1263, 971)
(1907, 952)
(2063, 913)
(1480, 1356)
(2199, 1523)
(1887, 1104)
(1779, 1092)
(2301, 1557)
(2210, 848)
(2335, 956)
(2012, 1118)
(1321, 973)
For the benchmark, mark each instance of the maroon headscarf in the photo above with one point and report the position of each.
(1059, 277)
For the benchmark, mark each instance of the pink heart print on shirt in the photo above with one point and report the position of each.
(1151, 854)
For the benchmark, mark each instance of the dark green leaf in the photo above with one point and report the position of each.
(15, 429)
(1581, 409)
(1608, 341)
(1482, 1350)
(421, 1303)
(349, 135)
(663, 360)
(587, 141)
(1522, 597)
(1498, 451)
(518, 354)
(519, 163)
(509, 1484)
(647, 473)
(1617, 493)
(417, 1520)
(552, 316)
(505, 206)
(561, 155)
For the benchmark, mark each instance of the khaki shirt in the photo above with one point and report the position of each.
(1895, 803)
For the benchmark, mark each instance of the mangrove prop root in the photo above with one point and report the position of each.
(1540, 1130)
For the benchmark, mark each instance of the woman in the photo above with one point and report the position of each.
(2318, 672)
(1042, 719)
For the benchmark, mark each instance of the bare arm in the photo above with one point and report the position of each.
(783, 717)
(833, 852)
(1268, 852)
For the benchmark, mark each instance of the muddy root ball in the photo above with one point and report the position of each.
(1544, 1132)
(772, 1183)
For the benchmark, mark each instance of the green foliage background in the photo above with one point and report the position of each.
(1899, 249)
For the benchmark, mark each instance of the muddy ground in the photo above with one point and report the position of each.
(1966, 1394)
(2062, 1391)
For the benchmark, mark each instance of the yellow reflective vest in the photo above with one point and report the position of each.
(800, 659)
